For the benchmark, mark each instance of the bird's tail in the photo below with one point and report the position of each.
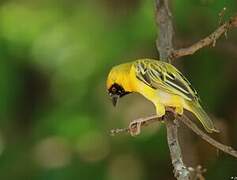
(202, 116)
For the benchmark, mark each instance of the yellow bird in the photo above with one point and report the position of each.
(159, 82)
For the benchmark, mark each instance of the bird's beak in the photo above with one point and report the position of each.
(115, 99)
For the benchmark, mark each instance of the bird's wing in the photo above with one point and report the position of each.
(161, 75)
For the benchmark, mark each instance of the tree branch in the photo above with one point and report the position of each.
(135, 125)
(191, 125)
(207, 41)
(180, 170)
(213, 142)
(164, 44)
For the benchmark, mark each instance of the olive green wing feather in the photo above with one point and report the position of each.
(161, 75)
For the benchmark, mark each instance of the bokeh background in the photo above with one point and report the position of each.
(55, 114)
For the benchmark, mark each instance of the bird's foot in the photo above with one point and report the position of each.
(179, 111)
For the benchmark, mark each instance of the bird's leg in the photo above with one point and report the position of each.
(160, 110)
(135, 126)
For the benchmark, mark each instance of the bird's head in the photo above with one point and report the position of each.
(118, 82)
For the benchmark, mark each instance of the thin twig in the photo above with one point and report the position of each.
(154, 118)
(207, 41)
(221, 15)
(135, 124)
(213, 142)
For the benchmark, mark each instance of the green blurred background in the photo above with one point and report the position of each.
(55, 114)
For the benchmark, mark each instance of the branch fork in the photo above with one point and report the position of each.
(207, 41)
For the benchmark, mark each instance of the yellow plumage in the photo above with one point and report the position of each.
(159, 82)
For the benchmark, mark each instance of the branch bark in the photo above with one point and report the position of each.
(207, 41)
(141, 122)
(213, 142)
(180, 170)
(164, 44)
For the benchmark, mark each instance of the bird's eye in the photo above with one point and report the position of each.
(113, 89)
